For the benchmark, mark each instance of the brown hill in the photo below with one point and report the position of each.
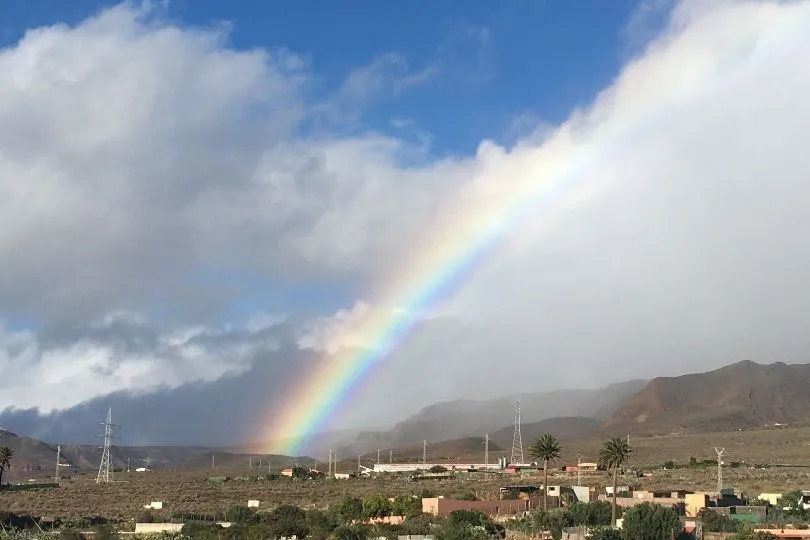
(745, 394)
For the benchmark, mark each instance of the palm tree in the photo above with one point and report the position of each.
(6, 454)
(548, 449)
(615, 452)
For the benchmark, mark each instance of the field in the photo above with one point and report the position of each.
(188, 491)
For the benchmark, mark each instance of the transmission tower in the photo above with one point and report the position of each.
(517, 439)
(486, 451)
(719, 452)
(105, 473)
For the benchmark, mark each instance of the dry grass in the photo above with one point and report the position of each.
(188, 491)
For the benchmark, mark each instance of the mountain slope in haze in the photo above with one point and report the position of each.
(468, 418)
(35, 458)
(471, 448)
(564, 428)
(319, 441)
(745, 394)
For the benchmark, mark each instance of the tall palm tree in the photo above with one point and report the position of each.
(6, 454)
(615, 452)
(548, 449)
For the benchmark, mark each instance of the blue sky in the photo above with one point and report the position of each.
(498, 61)
(184, 213)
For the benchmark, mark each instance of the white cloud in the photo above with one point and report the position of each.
(118, 357)
(330, 334)
(135, 154)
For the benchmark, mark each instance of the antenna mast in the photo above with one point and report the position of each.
(719, 452)
(105, 473)
(517, 439)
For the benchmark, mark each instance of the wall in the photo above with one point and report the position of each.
(144, 528)
(626, 502)
(410, 467)
(442, 506)
(695, 502)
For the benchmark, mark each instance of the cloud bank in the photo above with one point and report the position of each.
(149, 168)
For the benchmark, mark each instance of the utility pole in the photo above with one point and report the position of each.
(250, 463)
(486, 451)
(390, 456)
(129, 468)
(58, 454)
(424, 452)
(719, 452)
(378, 455)
(212, 462)
(579, 469)
(358, 463)
(329, 473)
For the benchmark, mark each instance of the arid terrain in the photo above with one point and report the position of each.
(785, 452)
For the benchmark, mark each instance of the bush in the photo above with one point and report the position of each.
(241, 515)
(70, 534)
(591, 513)
(650, 522)
(351, 532)
(104, 532)
(606, 533)
(376, 506)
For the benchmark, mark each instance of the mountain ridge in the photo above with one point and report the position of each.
(740, 395)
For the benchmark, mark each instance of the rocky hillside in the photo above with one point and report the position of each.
(745, 394)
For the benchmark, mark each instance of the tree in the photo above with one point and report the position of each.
(376, 506)
(548, 449)
(300, 473)
(241, 514)
(591, 513)
(606, 533)
(406, 506)
(437, 469)
(791, 501)
(6, 454)
(351, 532)
(470, 525)
(348, 510)
(615, 452)
(714, 522)
(104, 532)
(651, 522)
(320, 523)
(287, 520)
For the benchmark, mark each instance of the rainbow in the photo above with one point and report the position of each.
(536, 185)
